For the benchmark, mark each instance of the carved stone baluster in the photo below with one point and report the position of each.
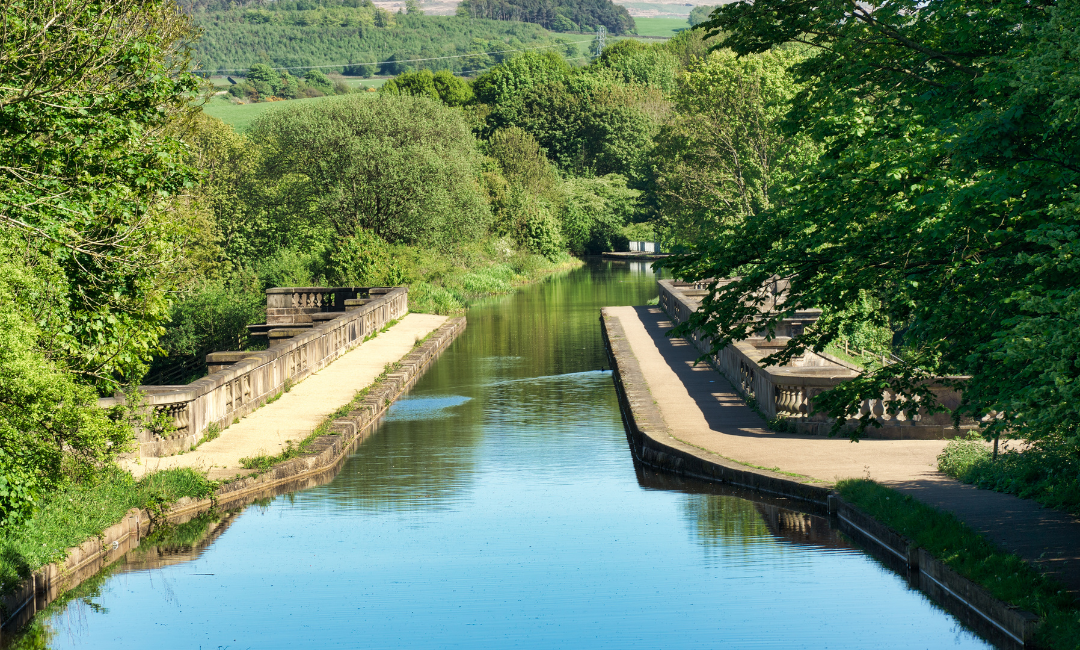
(183, 418)
(877, 408)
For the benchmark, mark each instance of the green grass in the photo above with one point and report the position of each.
(667, 27)
(73, 515)
(1004, 575)
(240, 116)
(854, 359)
(1047, 470)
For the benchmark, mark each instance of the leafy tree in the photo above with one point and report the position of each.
(947, 188)
(724, 155)
(89, 168)
(540, 232)
(506, 82)
(700, 14)
(263, 79)
(294, 38)
(317, 79)
(50, 426)
(394, 65)
(563, 24)
(90, 231)
(361, 70)
(403, 167)
(589, 124)
(523, 162)
(452, 90)
(596, 212)
(363, 259)
(442, 85)
(552, 14)
(641, 64)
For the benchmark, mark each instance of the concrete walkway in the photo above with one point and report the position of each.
(298, 412)
(702, 409)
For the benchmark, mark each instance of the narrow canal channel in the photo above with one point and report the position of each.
(498, 506)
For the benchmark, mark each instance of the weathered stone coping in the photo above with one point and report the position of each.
(324, 458)
(652, 444)
(238, 389)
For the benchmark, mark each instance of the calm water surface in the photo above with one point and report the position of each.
(499, 507)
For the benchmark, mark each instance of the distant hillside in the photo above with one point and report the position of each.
(558, 15)
(297, 34)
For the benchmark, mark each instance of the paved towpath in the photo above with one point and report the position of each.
(298, 412)
(702, 409)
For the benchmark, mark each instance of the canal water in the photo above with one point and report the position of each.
(498, 506)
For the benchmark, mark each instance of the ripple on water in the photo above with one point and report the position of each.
(424, 408)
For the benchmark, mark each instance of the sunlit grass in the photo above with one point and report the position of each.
(71, 516)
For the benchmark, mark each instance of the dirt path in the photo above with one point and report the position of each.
(701, 409)
(298, 412)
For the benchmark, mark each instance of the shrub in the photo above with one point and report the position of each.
(1046, 470)
(363, 260)
(441, 85)
(319, 80)
(405, 168)
(541, 233)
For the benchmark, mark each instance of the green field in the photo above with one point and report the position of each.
(240, 116)
(668, 27)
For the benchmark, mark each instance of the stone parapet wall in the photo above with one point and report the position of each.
(787, 392)
(235, 390)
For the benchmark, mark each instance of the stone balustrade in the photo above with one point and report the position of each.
(240, 382)
(788, 392)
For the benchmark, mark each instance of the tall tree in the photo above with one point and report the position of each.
(91, 181)
(947, 189)
(723, 156)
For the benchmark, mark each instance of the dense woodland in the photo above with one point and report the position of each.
(921, 192)
(557, 15)
(355, 38)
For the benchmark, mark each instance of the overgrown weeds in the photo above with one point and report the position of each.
(1004, 575)
(446, 282)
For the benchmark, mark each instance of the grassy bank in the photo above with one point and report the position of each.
(81, 511)
(446, 282)
(1047, 470)
(1004, 575)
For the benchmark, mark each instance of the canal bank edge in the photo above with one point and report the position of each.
(321, 461)
(652, 444)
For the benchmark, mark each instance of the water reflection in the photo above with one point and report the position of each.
(497, 506)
